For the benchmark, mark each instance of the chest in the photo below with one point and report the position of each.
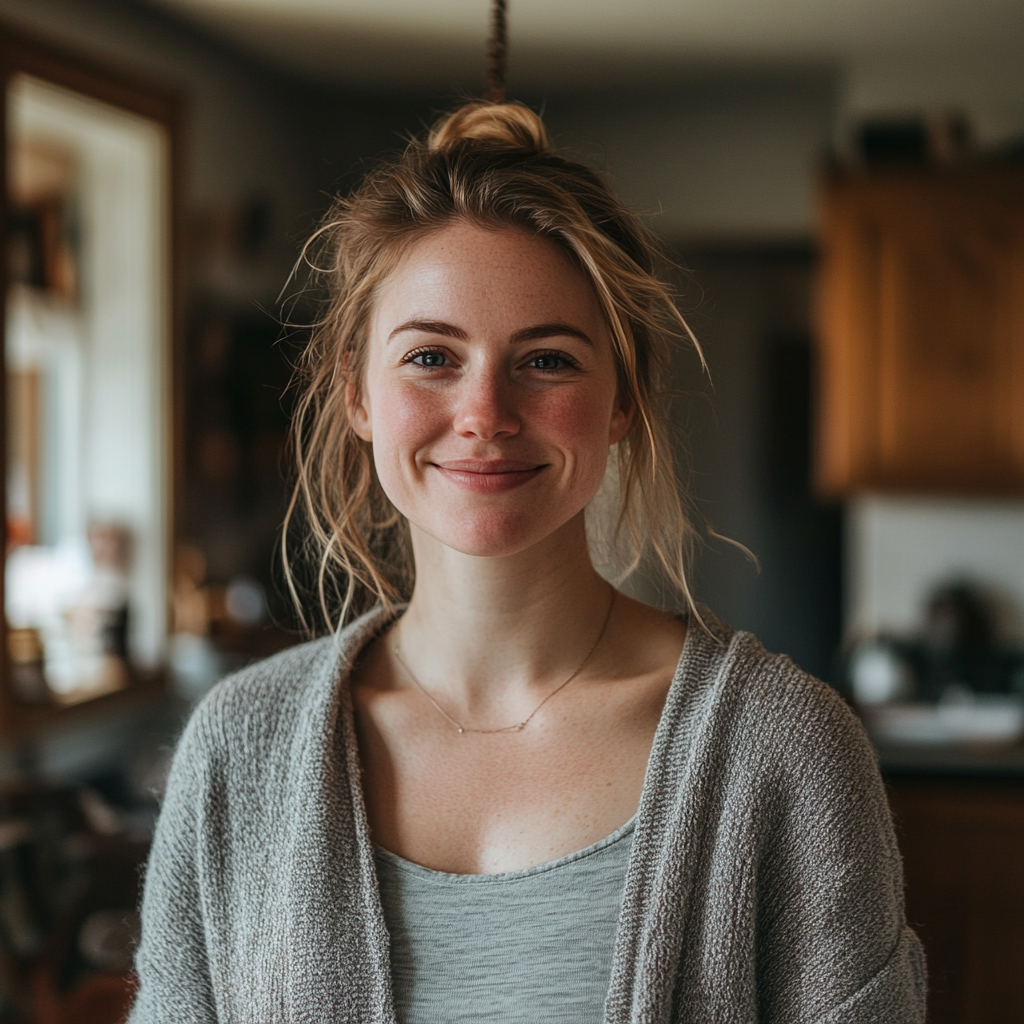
(520, 947)
(474, 804)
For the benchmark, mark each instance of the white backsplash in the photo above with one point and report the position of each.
(899, 549)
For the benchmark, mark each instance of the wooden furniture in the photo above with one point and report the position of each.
(921, 370)
(963, 848)
(71, 886)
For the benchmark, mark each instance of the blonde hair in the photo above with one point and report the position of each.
(492, 164)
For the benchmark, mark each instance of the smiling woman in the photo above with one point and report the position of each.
(508, 792)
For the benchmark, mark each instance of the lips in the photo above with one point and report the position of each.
(488, 476)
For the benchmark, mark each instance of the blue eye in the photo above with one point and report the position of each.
(429, 359)
(548, 361)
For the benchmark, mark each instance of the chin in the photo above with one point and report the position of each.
(490, 535)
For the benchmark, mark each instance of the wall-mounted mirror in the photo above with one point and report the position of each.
(88, 396)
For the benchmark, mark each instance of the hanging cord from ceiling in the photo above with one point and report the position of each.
(497, 53)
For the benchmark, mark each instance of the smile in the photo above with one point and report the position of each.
(488, 477)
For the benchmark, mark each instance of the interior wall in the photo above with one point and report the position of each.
(725, 156)
(986, 85)
(744, 440)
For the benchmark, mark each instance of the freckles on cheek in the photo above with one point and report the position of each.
(404, 416)
(576, 419)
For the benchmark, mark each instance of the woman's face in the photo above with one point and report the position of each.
(490, 393)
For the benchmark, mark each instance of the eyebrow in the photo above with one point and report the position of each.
(535, 333)
(541, 331)
(430, 327)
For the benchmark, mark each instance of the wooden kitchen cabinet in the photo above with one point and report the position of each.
(962, 842)
(921, 325)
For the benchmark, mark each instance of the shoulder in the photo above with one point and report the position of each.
(252, 714)
(779, 740)
(272, 704)
(798, 744)
(774, 712)
(776, 690)
(804, 804)
(273, 685)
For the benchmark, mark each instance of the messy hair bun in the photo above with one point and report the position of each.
(502, 125)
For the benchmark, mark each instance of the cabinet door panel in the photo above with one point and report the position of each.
(923, 333)
(942, 311)
(963, 846)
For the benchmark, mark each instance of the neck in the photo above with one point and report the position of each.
(485, 633)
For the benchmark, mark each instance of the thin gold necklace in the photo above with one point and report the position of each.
(519, 726)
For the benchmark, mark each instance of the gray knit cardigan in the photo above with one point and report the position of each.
(764, 883)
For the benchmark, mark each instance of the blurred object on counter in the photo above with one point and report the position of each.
(99, 617)
(216, 628)
(195, 663)
(940, 138)
(110, 545)
(190, 596)
(961, 680)
(28, 679)
(245, 602)
(878, 675)
(68, 615)
(967, 643)
(964, 648)
(959, 619)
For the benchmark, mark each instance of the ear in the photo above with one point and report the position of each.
(622, 418)
(357, 406)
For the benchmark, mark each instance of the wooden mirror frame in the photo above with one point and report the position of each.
(22, 54)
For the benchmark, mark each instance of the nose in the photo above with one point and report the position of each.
(485, 405)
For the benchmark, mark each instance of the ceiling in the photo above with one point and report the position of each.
(438, 44)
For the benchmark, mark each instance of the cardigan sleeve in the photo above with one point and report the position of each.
(836, 948)
(171, 961)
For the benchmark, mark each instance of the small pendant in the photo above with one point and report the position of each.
(461, 730)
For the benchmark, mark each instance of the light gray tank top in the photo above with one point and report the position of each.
(521, 947)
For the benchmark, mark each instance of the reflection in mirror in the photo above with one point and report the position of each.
(86, 377)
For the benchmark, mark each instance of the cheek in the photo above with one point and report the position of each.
(577, 424)
(404, 415)
(405, 419)
(577, 420)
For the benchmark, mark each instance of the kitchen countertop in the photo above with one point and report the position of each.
(974, 761)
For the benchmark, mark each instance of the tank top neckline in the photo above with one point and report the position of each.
(452, 878)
